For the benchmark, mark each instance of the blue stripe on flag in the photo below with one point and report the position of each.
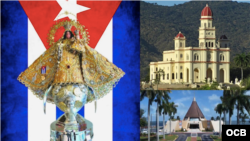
(14, 95)
(126, 55)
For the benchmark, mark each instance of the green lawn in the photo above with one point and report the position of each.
(180, 131)
(206, 131)
(198, 139)
(216, 138)
(167, 138)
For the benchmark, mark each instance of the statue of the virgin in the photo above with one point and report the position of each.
(70, 74)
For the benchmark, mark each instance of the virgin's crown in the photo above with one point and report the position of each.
(67, 26)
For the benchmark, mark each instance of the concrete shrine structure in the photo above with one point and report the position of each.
(209, 61)
(193, 120)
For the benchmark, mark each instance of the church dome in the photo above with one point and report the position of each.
(179, 35)
(223, 37)
(206, 11)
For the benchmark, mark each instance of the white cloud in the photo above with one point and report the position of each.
(206, 109)
(213, 97)
(186, 92)
(180, 100)
(181, 105)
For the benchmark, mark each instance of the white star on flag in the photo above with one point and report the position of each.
(69, 9)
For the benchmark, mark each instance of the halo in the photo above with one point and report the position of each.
(76, 24)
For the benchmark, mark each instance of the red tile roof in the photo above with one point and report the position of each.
(206, 11)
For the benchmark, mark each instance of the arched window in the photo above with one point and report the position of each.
(167, 76)
(196, 57)
(180, 44)
(204, 24)
(163, 76)
(221, 57)
(156, 68)
(212, 44)
(180, 67)
(206, 44)
(181, 55)
(201, 44)
(172, 75)
(181, 75)
(208, 24)
(225, 45)
(209, 44)
(209, 56)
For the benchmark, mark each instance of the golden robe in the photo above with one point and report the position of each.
(71, 61)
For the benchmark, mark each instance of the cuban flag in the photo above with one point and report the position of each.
(113, 27)
(43, 70)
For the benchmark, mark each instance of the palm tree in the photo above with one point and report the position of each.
(227, 95)
(212, 118)
(241, 102)
(243, 117)
(164, 109)
(141, 112)
(242, 61)
(150, 94)
(160, 98)
(172, 110)
(219, 110)
(157, 80)
(218, 118)
(142, 119)
(178, 118)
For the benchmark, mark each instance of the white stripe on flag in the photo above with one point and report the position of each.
(103, 118)
(38, 122)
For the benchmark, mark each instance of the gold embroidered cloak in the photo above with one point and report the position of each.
(71, 61)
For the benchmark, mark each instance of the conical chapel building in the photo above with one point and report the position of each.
(185, 64)
(194, 115)
(194, 120)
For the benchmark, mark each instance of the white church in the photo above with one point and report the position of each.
(210, 60)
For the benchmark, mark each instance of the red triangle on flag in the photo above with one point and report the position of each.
(42, 14)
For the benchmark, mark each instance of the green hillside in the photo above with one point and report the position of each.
(160, 24)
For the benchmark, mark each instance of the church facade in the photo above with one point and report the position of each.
(209, 61)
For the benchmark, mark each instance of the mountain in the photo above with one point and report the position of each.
(160, 24)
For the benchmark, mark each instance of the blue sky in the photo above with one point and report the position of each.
(206, 100)
(171, 3)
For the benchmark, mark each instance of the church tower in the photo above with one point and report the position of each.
(206, 30)
(180, 41)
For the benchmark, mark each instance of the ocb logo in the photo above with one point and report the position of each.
(236, 132)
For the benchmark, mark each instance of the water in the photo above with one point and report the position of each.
(235, 123)
(153, 123)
